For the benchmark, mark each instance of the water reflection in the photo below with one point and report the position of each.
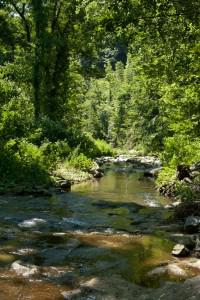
(120, 186)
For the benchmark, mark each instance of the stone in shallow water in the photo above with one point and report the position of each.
(32, 223)
(54, 256)
(65, 184)
(180, 250)
(24, 270)
(24, 251)
(59, 234)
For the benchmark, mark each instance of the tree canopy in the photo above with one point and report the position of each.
(126, 72)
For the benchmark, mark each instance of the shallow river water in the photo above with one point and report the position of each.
(115, 226)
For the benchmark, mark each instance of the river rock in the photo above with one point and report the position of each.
(24, 252)
(188, 240)
(180, 250)
(24, 270)
(137, 161)
(171, 270)
(55, 256)
(192, 224)
(97, 174)
(65, 184)
(158, 271)
(32, 223)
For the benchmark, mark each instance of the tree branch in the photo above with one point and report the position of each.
(21, 13)
(56, 11)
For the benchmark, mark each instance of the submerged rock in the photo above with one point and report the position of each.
(180, 250)
(55, 256)
(152, 173)
(71, 294)
(74, 221)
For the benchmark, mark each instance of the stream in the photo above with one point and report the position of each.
(99, 241)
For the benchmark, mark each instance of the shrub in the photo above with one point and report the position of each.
(16, 118)
(52, 130)
(181, 149)
(185, 192)
(87, 145)
(166, 176)
(23, 163)
(104, 149)
(55, 152)
(83, 142)
(81, 162)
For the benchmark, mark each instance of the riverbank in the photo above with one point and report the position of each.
(182, 182)
(61, 181)
(64, 176)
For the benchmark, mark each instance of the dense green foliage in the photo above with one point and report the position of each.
(76, 76)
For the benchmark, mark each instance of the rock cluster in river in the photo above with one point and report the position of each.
(189, 240)
(136, 161)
